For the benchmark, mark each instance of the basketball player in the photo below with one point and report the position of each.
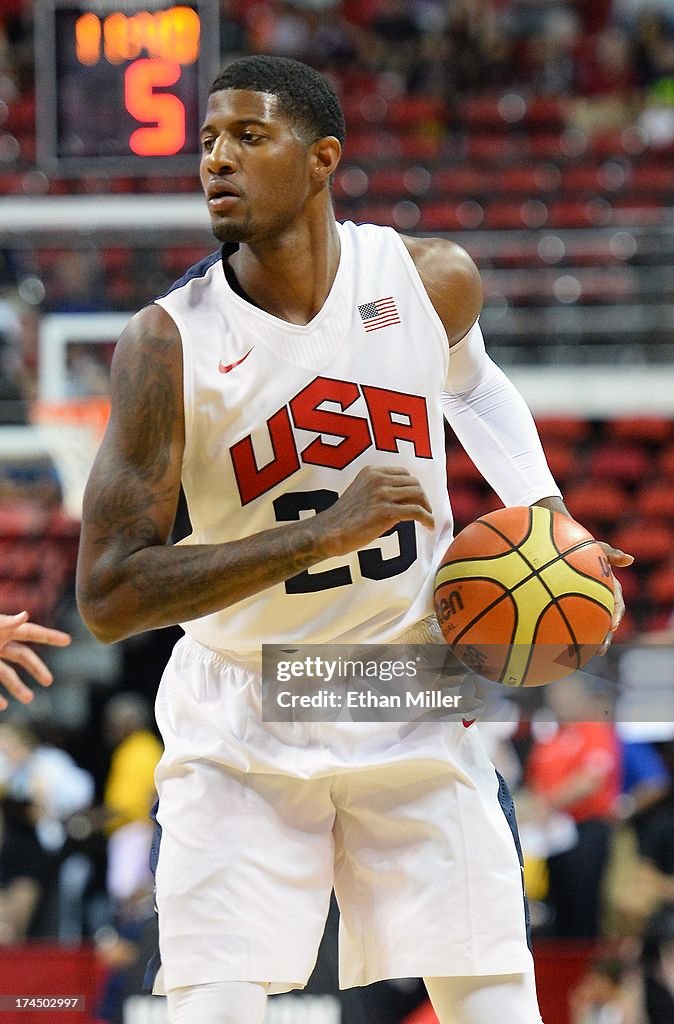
(15, 632)
(295, 381)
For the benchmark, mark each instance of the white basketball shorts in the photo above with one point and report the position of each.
(260, 820)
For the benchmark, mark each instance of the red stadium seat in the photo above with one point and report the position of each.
(415, 111)
(544, 111)
(462, 181)
(21, 115)
(570, 213)
(655, 429)
(656, 500)
(370, 145)
(441, 216)
(562, 459)
(660, 589)
(626, 463)
(649, 542)
(461, 468)
(631, 584)
(626, 630)
(654, 177)
(580, 178)
(505, 214)
(666, 462)
(565, 428)
(597, 501)
(389, 181)
(421, 147)
(467, 504)
(495, 149)
(531, 180)
(483, 114)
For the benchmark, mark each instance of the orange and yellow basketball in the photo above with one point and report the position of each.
(524, 596)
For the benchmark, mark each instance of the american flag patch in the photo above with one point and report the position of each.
(380, 313)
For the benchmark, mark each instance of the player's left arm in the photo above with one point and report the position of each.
(484, 408)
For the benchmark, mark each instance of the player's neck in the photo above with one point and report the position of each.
(291, 278)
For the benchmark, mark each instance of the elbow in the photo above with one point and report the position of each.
(101, 619)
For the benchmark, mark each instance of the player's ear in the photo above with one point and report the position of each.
(326, 153)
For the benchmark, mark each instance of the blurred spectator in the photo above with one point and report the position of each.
(576, 770)
(41, 787)
(125, 946)
(233, 34)
(13, 407)
(604, 64)
(395, 37)
(649, 44)
(550, 55)
(630, 894)
(657, 119)
(628, 12)
(608, 993)
(75, 285)
(129, 794)
(658, 966)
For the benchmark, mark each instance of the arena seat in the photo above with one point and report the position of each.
(596, 501)
(421, 147)
(631, 583)
(623, 462)
(440, 216)
(654, 178)
(649, 542)
(414, 111)
(666, 462)
(467, 504)
(580, 178)
(652, 429)
(504, 214)
(21, 115)
(534, 180)
(568, 428)
(660, 590)
(462, 182)
(482, 114)
(656, 500)
(389, 181)
(461, 468)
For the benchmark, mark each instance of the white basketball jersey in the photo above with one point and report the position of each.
(280, 419)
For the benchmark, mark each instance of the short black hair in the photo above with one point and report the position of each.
(304, 95)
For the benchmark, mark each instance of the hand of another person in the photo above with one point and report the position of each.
(15, 632)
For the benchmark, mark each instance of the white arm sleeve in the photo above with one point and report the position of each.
(494, 425)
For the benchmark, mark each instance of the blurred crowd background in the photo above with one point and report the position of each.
(540, 135)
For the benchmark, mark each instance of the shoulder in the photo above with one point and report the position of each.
(451, 280)
(151, 333)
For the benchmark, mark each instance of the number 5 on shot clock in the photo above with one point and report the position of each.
(120, 84)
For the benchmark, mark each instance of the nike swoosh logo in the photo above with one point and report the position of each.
(226, 367)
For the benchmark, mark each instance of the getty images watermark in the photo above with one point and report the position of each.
(425, 682)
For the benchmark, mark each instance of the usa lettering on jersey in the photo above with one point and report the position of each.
(392, 417)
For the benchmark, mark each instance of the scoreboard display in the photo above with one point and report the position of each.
(121, 84)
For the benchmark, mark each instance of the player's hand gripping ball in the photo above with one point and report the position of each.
(524, 596)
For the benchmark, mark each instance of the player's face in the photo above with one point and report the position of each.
(254, 167)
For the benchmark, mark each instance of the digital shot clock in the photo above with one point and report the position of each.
(121, 84)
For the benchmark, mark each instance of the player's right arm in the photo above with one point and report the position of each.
(129, 577)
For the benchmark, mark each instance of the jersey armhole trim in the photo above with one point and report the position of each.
(418, 285)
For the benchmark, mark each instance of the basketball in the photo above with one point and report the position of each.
(524, 596)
